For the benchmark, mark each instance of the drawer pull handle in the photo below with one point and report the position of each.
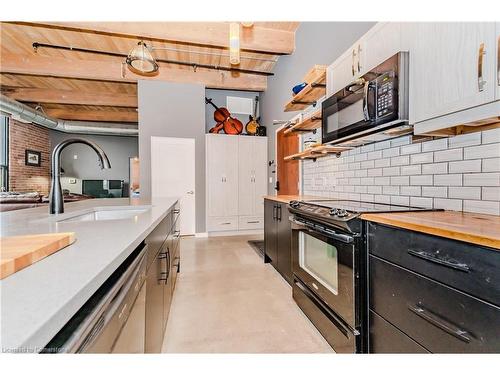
(439, 323)
(253, 222)
(451, 263)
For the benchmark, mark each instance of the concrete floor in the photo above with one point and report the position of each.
(228, 301)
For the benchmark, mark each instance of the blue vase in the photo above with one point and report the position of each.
(298, 88)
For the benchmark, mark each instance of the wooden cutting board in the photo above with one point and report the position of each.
(19, 252)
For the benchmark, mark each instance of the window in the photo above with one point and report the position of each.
(4, 153)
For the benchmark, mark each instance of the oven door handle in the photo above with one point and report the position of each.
(326, 232)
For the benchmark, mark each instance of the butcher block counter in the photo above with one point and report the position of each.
(473, 228)
(288, 198)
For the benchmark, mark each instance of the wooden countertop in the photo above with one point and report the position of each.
(468, 227)
(288, 198)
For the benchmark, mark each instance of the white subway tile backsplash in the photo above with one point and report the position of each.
(411, 169)
(483, 207)
(448, 204)
(426, 174)
(426, 157)
(482, 179)
(400, 160)
(411, 149)
(465, 166)
(448, 155)
(421, 180)
(464, 140)
(485, 151)
(464, 192)
(421, 202)
(435, 191)
(448, 180)
(491, 193)
(491, 165)
(390, 152)
(410, 190)
(491, 136)
(435, 168)
(438, 144)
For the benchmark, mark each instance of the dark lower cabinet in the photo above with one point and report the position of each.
(418, 301)
(277, 238)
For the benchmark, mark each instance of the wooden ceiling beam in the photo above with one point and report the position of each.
(55, 96)
(215, 34)
(92, 115)
(115, 71)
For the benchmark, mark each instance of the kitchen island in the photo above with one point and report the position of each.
(39, 300)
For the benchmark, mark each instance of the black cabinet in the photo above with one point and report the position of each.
(277, 238)
(424, 290)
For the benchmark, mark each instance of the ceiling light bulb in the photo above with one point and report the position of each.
(234, 43)
(140, 60)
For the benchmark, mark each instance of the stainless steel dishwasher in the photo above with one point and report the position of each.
(113, 320)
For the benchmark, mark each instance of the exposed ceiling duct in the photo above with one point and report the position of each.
(24, 113)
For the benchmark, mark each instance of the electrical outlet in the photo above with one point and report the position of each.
(72, 180)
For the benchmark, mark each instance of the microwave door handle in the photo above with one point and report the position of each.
(366, 89)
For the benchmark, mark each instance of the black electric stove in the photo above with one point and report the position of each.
(344, 214)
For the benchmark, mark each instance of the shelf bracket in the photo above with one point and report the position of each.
(318, 84)
(302, 102)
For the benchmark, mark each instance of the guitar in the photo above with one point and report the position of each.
(253, 123)
(224, 121)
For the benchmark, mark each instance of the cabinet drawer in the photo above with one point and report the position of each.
(385, 338)
(250, 222)
(439, 318)
(470, 268)
(156, 238)
(216, 224)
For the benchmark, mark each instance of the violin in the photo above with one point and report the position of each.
(224, 121)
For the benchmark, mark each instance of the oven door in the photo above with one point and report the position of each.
(323, 261)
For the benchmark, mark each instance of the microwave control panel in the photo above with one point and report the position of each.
(386, 94)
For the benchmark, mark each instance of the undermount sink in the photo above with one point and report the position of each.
(104, 213)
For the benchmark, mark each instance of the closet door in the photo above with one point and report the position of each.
(259, 158)
(246, 195)
(230, 196)
(216, 165)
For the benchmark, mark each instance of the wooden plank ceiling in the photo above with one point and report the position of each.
(84, 86)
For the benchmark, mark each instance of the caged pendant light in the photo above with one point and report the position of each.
(141, 61)
(234, 43)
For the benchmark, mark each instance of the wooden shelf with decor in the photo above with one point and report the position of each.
(310, 124)
(317, 152)
(315, 89)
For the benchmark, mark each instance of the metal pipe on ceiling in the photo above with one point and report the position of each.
(37, 45)
(26, 114)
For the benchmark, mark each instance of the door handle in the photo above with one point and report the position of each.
(359, 57)
(440, 323)
(274, 212)
(480, 60)
(352, 65)
(190, 192)
(366, 89)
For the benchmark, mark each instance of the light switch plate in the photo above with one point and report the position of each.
(72, 180)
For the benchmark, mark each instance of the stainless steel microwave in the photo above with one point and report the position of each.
(374, 103)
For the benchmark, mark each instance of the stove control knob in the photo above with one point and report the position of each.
(342, 213)
(333, 212)
(294, 204)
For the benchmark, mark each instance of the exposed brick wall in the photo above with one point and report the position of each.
(23, 177)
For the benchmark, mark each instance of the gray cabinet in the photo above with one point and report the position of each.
(431, 293)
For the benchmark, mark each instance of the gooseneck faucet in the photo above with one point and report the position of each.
(56, 202)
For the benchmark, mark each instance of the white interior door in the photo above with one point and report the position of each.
(173, 175)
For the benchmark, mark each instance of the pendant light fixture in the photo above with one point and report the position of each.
(234, 43)
(141, 61)
(247, 23)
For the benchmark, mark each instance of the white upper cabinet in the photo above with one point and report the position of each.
(452, 68)
(342, 72)
(497, 56)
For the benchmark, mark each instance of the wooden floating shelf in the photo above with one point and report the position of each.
(317, 152)
(315, 89)
(307, 125)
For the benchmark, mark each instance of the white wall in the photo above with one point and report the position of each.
(459, 173)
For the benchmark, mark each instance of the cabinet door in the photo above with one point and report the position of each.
(259, 158)
(167, 253)
(284, 233)
(497, 58)
(452, 67)
(343, 70)
(380, 43)
(270, 228)
(246, 186)
(215, 164)
(231, 176)
(154, 307)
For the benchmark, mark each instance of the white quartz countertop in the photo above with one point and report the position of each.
(37, 301)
